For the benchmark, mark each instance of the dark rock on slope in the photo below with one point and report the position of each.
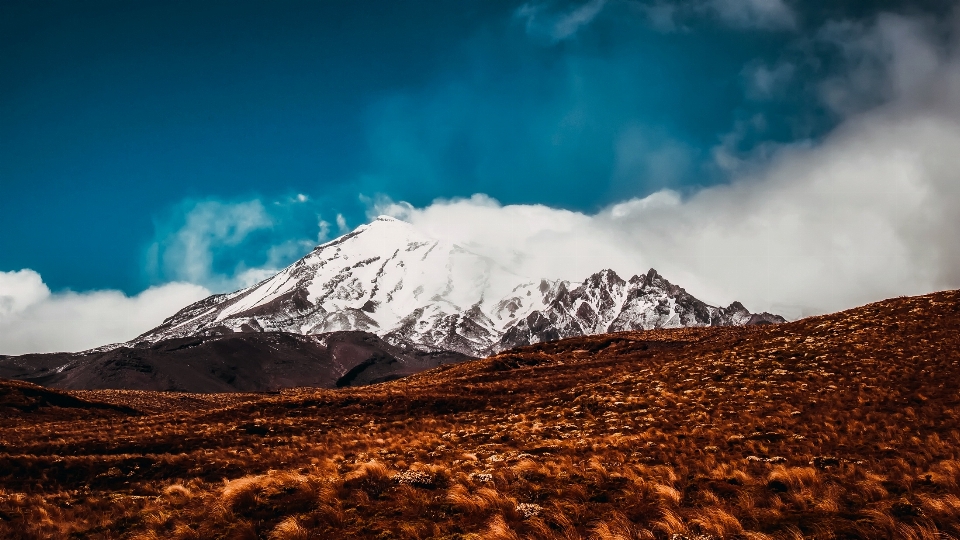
(22, 400)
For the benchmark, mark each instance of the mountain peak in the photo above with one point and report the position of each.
(412, 289)
(606, 276)
(383, 230)
(384, 221)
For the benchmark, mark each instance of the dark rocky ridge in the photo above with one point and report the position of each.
(237, 362)
(22, 401)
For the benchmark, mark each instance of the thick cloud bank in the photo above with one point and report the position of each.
(870, 212)
(32, 319)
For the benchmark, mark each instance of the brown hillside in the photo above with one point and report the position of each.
(26, 403)
(840, 426)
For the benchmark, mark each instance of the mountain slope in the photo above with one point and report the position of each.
(390, 279)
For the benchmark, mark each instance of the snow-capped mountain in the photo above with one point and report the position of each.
(390, 279)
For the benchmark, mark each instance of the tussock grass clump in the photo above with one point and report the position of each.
(372, 477)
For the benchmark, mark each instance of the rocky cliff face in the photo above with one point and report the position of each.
(418, 292)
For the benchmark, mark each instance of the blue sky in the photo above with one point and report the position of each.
(114, 115)
(148, 142)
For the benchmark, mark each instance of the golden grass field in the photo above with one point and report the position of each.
(839, 426)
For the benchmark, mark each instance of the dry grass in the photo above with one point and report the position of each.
(842, 426)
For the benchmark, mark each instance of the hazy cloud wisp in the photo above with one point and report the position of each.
(760, 14)
(539, 20)
(225, 246)
(765, 15)
(187, 254)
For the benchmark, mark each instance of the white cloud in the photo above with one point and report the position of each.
(892, 59)
(69, 321)
(324, 231)
(870, 212)
(20, 289)
(532, 240)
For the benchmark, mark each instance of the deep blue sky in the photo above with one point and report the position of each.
(118, 118)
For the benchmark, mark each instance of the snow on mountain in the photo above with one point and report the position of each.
(390, 279)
